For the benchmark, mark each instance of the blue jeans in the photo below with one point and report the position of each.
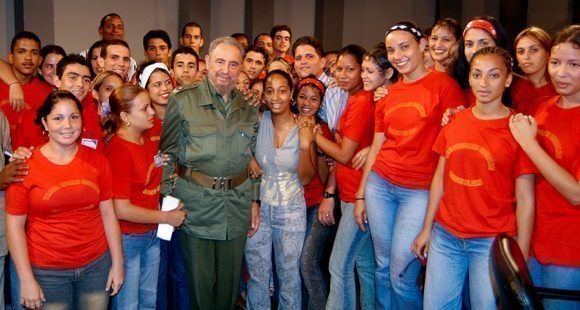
(450, 260)
(283, 228)
(554, 276)
(75, 288)
(172, 291)
(395, 216)
(351, 246)
(316, 236)
(141, 253)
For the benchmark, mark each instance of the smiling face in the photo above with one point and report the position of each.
(372, 75)
(405, 54)
(441, 43)
(159, 88)
(76, 78)
(488, 78)
(118, 60)
(48, 67)
(476, 39)
(308, 62)
(223, 67)
(64, 123)
(97, 68)
(531, 55)
(277, 94)
(113, 29)
(308, 100)
(564, 69)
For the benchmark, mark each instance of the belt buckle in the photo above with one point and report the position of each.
(221, 183)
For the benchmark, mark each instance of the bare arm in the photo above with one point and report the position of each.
(127, 211)
(342, 153)
(524, 129)
(31, 294)
(16, 93)
(525, 211)
(113, 235)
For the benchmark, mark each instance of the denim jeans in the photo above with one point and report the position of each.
(316, 236)
(554, 276)
(351, 247)
(172, 291)
(281, 228)
(75, 288)
(395, 216)
(141, 253)
(450, 260)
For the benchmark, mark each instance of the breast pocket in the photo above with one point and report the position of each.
(201, 142)
(245, 137)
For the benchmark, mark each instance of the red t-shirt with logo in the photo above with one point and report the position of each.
(355, 123)
(64, 227)
(557, 220)
(135, 177)
(410, 117)
(155, 132)
(481, 165)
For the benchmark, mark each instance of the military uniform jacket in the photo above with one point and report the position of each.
(215, 138)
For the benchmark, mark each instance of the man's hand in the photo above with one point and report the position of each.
(13, 172)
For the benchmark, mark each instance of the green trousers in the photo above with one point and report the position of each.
(213, 271)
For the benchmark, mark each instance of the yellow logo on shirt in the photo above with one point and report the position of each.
(405, 132)
(554, 140)
(472, 147)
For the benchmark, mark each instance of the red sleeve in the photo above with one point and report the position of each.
(121, 171)
(440, 144)
(326, 131)
(524, 163)
(105, 179)
(380, 115)
(451, 95)
(17, 199)
(358, 121)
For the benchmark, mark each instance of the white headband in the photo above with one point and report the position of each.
(144, 77)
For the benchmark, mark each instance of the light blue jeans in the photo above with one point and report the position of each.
(351, 246)
(554, 276)
(395, 216)
(142, 256)
(450, 260)
(282, 228)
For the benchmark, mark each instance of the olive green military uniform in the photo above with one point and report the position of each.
(216, 138)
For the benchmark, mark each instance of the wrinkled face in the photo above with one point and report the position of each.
(118, 60)
(76, 78)
(404, 52)
(113, 29)
(308, 100)
(48, 67)
(531, 55)
(192, 38)
(254, 64)
(441, 43)
(476, 39)
(95, 60)
(265, 42)
(277, 94)
(282, 41)
(64, 123)
(372, 75)
(308, 62)
(109, 84)
(564, 69)
(243, 82)
(223, 67)
(488, 78)
(25, 57)
(158, 50)
(184, 69)
(141, 114)
(159, 88)
(348, 72)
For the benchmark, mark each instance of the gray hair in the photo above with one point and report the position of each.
(228, 41)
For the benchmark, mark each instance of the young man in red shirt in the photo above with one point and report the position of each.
(282, 38)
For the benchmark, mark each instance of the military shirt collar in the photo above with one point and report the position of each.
(210, 95)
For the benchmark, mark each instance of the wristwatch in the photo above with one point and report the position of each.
(328, 195)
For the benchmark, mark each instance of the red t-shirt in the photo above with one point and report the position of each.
(135, 177)
(355, 123)
(469, 97)
(35, 92)
(410, 117)
(314, 190)
(479, 177)
(289, 58)
(64, 227)
(525, 96)
(557, 220)
(92, 135)
(155, 132)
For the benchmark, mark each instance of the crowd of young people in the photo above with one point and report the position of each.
(372, 163)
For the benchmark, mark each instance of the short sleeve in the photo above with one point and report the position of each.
(440, 144)
(359, 120)
(121, 167)
(17, 197)
(451, 95)
(380, 115)
(105, 179)
(524, 164)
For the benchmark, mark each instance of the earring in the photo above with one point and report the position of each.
(128, 123)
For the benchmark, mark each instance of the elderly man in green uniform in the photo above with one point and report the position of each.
(209, 133)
